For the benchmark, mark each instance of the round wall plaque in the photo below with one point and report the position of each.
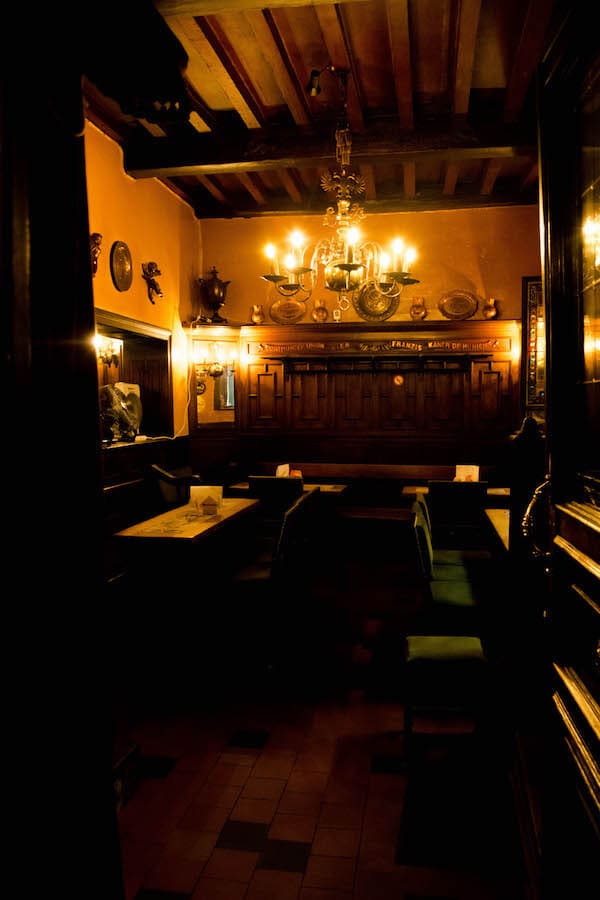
(121, 269)
(458, 305)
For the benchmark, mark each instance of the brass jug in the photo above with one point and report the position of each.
(213, 292)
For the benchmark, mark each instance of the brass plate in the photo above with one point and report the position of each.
(458, 305)
(287, 312)
(121, 268)
(373, 306)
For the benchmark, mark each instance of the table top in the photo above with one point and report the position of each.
(328, 488)
(185, 523)
(500, 519)
(411, 489)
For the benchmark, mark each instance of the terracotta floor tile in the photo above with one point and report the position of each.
(243, 836)
(308, 893)
(225, 773)
(287, 827)
(286, 737)
(272, 885)
(300, 803)
(329, 872)
(219, 889)
(345, 793)
(239, 756)
(174, 874)
(218, 795)
(233, 865)
(264, 788)
(204, 845)
(307, 782)
(285, 856)
(336, 842)
(274, 764)
(181, 842)
(334, 815)
(382, 886)
(203, 817)
(314, 760)
(197, 763)
(251, 810)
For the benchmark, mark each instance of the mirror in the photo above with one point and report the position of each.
(534, 345)
(134, 379)
(213, 376)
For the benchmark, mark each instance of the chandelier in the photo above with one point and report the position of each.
(344, 262)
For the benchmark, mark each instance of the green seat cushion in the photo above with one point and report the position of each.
(453, 593)
(444, 648)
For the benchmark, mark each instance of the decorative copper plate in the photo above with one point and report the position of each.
(373, 306)
(121, 269)
(458, 305)
(287, 312)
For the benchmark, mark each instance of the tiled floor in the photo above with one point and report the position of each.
(306, 795)
(292, 800)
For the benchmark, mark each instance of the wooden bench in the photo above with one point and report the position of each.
(370, 484)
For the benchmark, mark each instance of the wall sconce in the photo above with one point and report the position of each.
(212, 358)
(108, 350)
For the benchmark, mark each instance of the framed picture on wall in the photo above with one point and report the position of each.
(534, 344)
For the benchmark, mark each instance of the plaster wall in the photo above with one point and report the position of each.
(483, 251)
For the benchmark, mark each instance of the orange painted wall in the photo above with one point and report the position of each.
(483, 251)
(156, 225)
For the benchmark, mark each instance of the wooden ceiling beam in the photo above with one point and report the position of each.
(256, 151)
(265, 31)
(399, 38)
(525, 59)
(340, 57)
(429, 199)
(409, 178)
(451, 178)
(210, 7)
(491, 171)
(213, 189)
(466, 38)
(285, 34)
(231, 73)
(289, 182)
(254, 186)
(368, 173)
(530, 177)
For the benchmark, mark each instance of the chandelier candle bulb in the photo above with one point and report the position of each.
(397, 248)
(271, 253)
(409, 257)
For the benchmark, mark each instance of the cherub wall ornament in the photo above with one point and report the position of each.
(149, 272)
(95, 249)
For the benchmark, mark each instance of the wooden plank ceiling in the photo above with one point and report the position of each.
(440, 100)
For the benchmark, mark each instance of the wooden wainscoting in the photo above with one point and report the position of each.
(444, 393)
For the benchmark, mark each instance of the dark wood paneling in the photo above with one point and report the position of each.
(387, 393)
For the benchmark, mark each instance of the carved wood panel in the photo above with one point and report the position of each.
(445, 386)
(352, 401)
(309, 401)
(265, 395)
(398, 408)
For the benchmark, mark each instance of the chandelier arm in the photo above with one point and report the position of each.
(345, 266)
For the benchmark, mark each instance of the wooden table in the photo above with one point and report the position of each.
(500, 520)
(328, 488)
(184, 524)
(411, 490)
